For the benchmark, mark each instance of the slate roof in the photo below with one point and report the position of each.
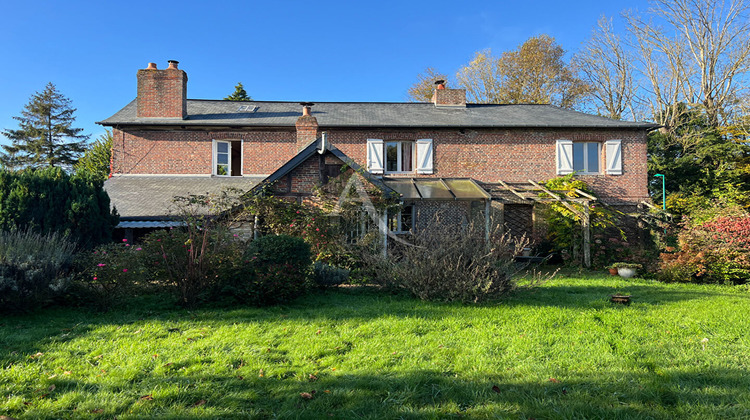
(151, 197)
(216, 113)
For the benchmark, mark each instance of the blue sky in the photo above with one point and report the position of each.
(282, 50)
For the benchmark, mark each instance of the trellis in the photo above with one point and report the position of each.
(537, 193)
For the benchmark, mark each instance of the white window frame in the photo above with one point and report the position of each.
(585, 170)
(399, 153)
(398, 218)
(215, 157)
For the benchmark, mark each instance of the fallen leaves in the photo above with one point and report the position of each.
(148, 397)
(307, 395)
(199, 403)
(496, 388)
(36, 356)
(554, 381)
(312, 378)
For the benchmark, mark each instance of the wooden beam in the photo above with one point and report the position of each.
(585, 222)
(583, 193)
(513, 190)
(558, 198)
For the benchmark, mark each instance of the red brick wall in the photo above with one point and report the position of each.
(190, 152)
(486, 155)
(514, 155)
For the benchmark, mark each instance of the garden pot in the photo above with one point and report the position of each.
(626, 273)
(613, 272)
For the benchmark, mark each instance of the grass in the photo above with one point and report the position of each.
(560, 351)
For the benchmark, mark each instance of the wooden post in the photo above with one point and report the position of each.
(487, 209)
(586, 224)
(384, 230)
(501, 216)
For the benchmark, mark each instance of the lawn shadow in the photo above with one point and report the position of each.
(419, 394)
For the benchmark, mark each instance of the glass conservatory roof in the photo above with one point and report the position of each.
(437, 188)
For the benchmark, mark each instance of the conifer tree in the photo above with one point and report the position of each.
(96, 160)
(45, 137)
(239, 94)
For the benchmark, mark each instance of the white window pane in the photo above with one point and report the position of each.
(222, 159)
(222, 147)
(578, 160)
(593, 157)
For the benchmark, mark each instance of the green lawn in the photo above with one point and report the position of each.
(560, 351)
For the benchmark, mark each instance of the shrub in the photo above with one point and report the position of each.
(451, 265)
(329, 276)
(34, 268)
(714, 251)
(191, 262)
(275, 270)
(50, 200)
(111, 272)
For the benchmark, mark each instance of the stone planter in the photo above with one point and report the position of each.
(626, 273)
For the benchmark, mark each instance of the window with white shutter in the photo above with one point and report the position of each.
(424, 156)
(564, 157)
(614, 156)
(375, 158)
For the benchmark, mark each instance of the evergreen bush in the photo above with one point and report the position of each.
(50, 200)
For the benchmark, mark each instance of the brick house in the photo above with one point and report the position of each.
(447, 154)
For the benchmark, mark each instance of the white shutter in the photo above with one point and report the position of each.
(614, 157)
(375, 156)
(564, 157)
(424, 156)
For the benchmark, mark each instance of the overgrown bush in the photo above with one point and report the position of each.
(110, 272)
(714, 251)
(329, 276)
(450, 265)
(191, 262)
(275, 269)
(34, 268)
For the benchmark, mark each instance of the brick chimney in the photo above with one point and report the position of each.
(443, 97)
(307, 127)
(162, 93)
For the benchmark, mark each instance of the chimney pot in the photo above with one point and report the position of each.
(151, 66)
(173, 64)
(440, 84)
(306, 108)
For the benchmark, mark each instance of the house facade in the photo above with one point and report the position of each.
(445, 155)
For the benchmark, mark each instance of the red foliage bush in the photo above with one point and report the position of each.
(715, 251)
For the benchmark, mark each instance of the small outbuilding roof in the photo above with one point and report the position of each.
(152, 197)
(219, 113)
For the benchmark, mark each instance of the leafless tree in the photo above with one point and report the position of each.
(698, 56)
(606, 65)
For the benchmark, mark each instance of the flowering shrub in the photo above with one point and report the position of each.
(33, 268)
(275, 269)
(715, 251)
(111, 272)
